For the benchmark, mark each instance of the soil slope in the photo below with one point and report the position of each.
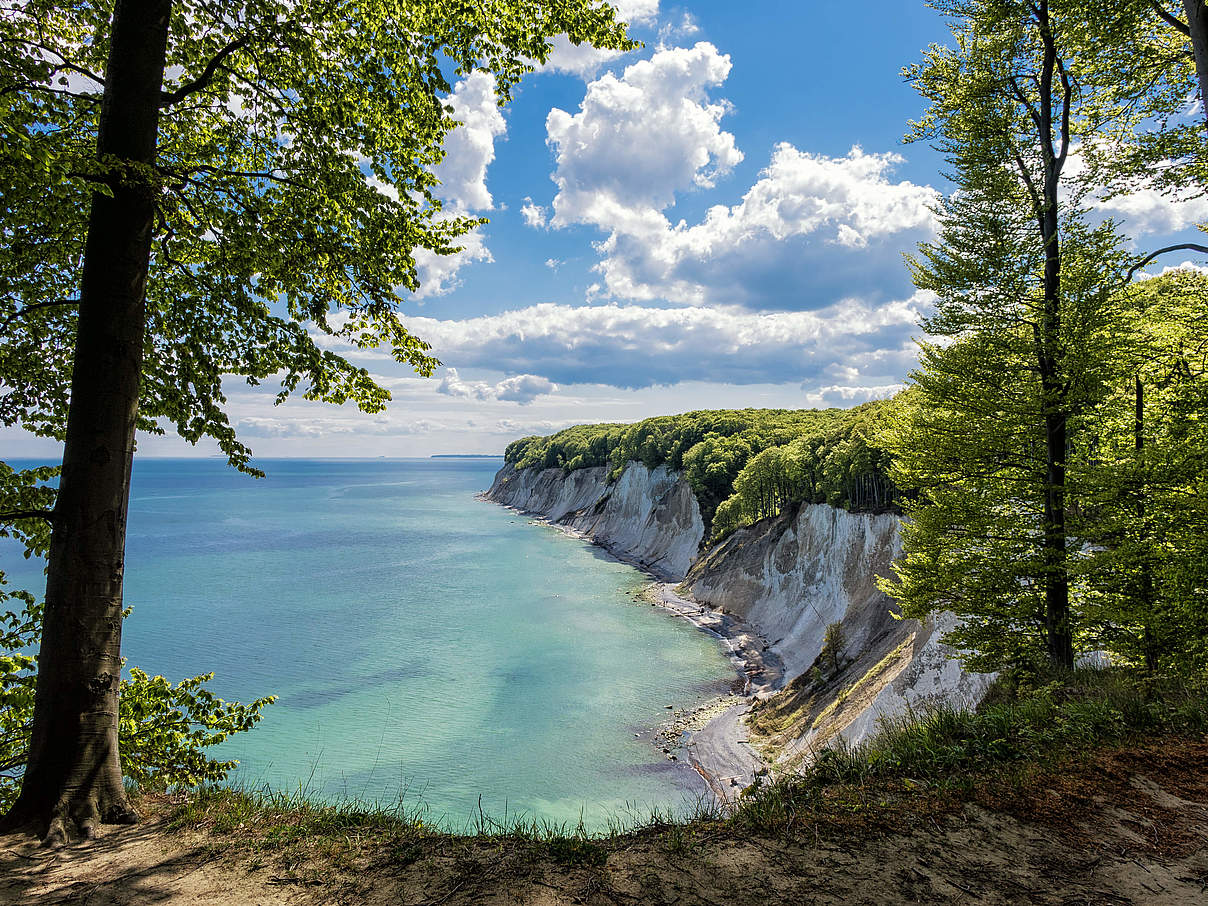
(1128, 826)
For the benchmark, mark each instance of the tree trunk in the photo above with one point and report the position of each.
(1058, 634)
(1145, 590)
(1197, 25)
(73, 778)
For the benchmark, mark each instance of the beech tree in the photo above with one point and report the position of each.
(1019, 281)
(192, 191)
(1006, 432)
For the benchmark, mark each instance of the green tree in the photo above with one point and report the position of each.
(1146, 569)
(186, 197)
(1139, 63)
(1021, 287)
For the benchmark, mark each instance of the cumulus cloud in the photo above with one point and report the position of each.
(755, 252)
(1148, 211)
(585, 61)
(438, 274)
(850, 344)
(470, 148)
(1144, 210)
(639, 139)
(839, 396)
(1174, 269)
(810, 228)
(522, 388)
(469, 151)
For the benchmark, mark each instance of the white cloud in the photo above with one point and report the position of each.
(580, 60)
(438, 273)
(585, 61)
(553, 263)
(1145, 210)
(639, 139)
(636, 12)
(522, 388)
(1174, 269)
(534, 215)
(851, 344)
(1148, 211)
(686, 27)
(470, 148)
(841, 396)
(469, 151)
(844, 202)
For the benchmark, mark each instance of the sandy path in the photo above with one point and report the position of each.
(131, 866)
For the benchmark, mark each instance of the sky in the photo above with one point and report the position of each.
(716, 220)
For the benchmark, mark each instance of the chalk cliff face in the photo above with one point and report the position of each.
(788, 578)
(648, 516)
(792, 577)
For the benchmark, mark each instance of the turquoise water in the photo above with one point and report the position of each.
(422, 642)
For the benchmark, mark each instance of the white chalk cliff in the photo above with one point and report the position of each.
(648, 516)
(787, 578)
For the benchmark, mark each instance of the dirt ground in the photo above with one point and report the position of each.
(1129, 826)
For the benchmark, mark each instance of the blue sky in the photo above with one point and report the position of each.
(716, 220)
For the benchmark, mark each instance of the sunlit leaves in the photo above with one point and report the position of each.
(269, 234)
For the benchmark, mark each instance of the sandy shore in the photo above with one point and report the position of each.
(719, 751)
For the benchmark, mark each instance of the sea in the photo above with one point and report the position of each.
(428, 648)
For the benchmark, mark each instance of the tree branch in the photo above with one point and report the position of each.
(28, 308)
(1024, 102)
(14, 515)
(65, 63)
(1185, 246)
(1067, 102)
(167, 99)
(1173, 21)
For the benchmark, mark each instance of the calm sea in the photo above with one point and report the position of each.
(422, 643)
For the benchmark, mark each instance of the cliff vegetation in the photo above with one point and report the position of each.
(743, 464)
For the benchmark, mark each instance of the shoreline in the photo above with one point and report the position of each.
(719, 751)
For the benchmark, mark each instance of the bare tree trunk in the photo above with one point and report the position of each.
(1145, 589)
(73, 779)
(1197, 26)
(1056, 577)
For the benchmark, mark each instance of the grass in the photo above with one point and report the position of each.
(290, 826)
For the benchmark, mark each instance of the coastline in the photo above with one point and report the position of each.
(719, 751)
